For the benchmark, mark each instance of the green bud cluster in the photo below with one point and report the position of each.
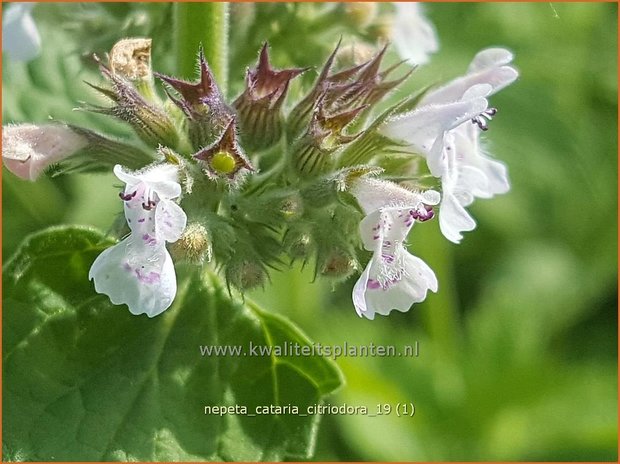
(263, 187)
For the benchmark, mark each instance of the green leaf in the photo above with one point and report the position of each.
(85, 380)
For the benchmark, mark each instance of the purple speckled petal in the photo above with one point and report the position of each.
(136, 274)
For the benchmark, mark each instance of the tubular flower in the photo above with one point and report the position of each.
(27, 149)
(139, 271)
(394, 278)
(445, 130)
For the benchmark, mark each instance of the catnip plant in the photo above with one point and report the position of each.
(248, 184)
(245, 140)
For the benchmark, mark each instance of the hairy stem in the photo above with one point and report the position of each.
(203, 24)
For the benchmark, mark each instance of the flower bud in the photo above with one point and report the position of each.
(148, 120)
(291, 207)
(346, 91)
(298, 241)
(245, 274)
(224, 158)
(337, 263)
(312, 153)
(27, 150)
(302, 113)
(259, 106)
(202, 103)
(194, 245)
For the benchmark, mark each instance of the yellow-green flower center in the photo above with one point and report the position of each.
(223, 162)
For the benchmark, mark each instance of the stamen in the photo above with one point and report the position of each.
(149, 203)
(128, 196)
(481, 123)
(423, 213)
(482, 118)
(149, 206)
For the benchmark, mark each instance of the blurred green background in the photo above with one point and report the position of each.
(518, 350)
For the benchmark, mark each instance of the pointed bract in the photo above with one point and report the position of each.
(148, 120)
(201, 102)
(266, 82)
(195, 94)
(259, 106)
(225, 158)
(347, 90)
(313, 152)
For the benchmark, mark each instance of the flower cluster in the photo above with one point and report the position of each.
(259, 181)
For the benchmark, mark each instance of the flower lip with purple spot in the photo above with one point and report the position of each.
(151, 278)
(139, 271)
(149, 240)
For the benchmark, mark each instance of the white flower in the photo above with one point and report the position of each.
(414, 35)
(20, 38)
(445, 129)
(138, 271)
(468, 174)
(458, 182)
(424, 128)
(490, 66)
(468, 152)
(394, 278)
(27, 150)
